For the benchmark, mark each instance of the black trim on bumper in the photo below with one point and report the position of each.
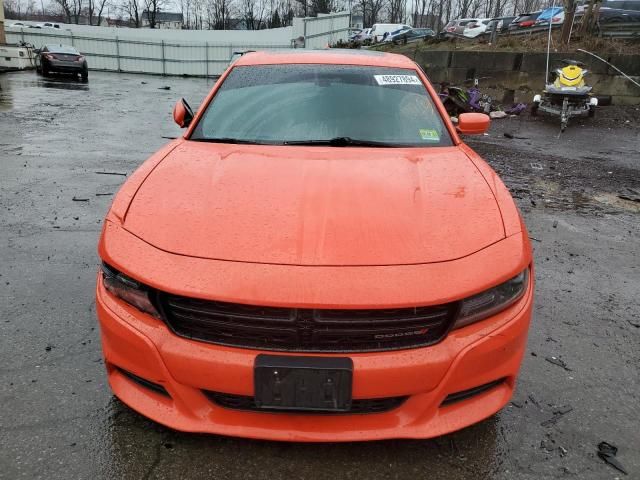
(472, 392)
(149, 385)
(358, 406)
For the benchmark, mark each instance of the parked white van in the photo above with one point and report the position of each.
(379, 29)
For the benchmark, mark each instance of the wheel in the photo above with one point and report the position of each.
(592, 111)
(84, 75)
(564, 116)
(534, 109)
(44, 70)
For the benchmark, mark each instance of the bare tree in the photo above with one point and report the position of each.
(252, 13)
(152, 7)
(321, 6)
(94, 10)
(397, 11)
(219, 14)
(375, 8)
(463, 8)
(71, 9)
(132, 10)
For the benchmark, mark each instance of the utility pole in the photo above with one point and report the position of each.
(3, 38)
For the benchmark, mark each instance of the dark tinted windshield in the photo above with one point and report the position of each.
(280, 104)
(62, 49)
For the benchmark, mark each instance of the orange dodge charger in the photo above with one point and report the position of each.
(318, 258)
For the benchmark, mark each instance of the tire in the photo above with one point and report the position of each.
(84, 76)
(604, 100)
(592, 111)
(534, 110)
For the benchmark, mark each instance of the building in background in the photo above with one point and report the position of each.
(166, 20)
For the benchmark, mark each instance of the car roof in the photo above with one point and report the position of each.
(60, 48)
(329, 56)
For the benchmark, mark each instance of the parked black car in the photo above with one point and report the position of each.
(413, 34)
(61, 59)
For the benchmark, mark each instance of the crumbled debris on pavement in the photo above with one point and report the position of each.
(557, 415)
(78, 199)
(558, 361)
(166, 87)
(608, 452)
(513, 135)
(516, 109)
(533, 400)
(629, 194)
(498, 114)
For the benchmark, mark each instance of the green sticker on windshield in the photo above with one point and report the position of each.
(429, 135)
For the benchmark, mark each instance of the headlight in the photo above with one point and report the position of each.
(492, 301)
(127, 289)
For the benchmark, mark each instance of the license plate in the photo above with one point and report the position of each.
(303, 383)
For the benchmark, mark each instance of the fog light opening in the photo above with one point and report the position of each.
(149, 385)
(471, 392)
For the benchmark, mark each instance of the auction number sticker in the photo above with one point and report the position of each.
(397, 80)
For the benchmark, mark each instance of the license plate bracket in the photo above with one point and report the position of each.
(303, 383)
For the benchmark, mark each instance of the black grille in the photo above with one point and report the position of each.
(361, 406)
(305, 330)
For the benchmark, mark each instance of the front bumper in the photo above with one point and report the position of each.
(467, 358)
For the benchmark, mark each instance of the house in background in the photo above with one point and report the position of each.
(357, 21)
(166, 20)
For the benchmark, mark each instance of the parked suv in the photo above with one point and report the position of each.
(457, 27)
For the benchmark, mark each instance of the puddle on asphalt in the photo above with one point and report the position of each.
(612, 200)
(63, 83)
(556, 197)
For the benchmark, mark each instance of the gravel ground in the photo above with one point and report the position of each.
(59, 419)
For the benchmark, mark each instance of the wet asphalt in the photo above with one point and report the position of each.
(58, 418)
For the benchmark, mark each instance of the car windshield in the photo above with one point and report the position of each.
(341, 105)
(62, 49)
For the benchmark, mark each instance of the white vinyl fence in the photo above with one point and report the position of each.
(323, 30)
(183, 52)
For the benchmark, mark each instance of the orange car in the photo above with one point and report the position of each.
(318, 258)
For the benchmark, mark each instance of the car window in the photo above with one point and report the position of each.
(63, 49)
(296, 103)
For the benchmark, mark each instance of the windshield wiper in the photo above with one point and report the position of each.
(342, 142)
(238, 141)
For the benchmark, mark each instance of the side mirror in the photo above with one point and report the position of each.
(473, 123)
(182, 113)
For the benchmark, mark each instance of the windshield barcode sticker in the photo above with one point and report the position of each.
(397, 80)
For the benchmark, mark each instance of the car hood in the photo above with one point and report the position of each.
(316, 205)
